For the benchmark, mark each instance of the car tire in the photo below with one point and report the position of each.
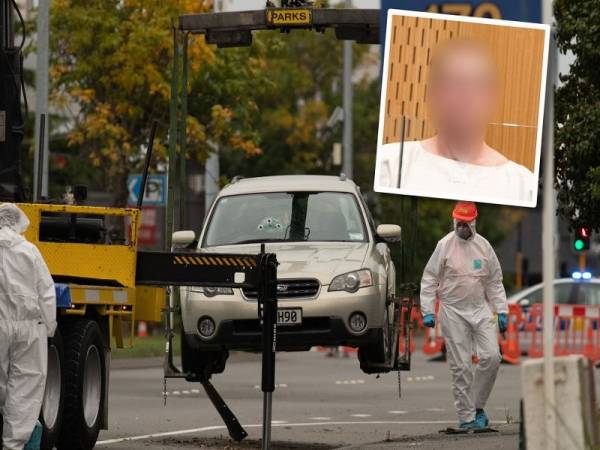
(85, 385)
(373, 357)
(53, 405)
(200, 365)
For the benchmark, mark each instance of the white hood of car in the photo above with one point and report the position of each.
(320, 260)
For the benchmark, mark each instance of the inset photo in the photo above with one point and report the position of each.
(462, 104)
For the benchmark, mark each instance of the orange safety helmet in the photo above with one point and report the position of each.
(465, 211)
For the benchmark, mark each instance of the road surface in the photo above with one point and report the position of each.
(320, 403)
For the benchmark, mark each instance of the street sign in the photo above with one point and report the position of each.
(289, 17)
(156, 188)
(525, 11)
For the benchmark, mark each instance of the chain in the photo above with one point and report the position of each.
(164, 391)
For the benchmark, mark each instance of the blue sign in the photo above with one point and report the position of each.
(156, 189)
(519, 10)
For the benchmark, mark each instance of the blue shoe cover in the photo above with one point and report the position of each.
(35, 441)
(481, 419)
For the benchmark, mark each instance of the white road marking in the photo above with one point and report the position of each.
(421, 378)
(350, 382)
(294, 425)
(185, 392)
(320, 418)
(195, 391)
(435, 409)
(360, 416)
(397, 412)
(277, 386)
(279, 422)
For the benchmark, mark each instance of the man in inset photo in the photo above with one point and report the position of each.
(462, 93)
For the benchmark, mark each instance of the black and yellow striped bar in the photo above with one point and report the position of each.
(196, 269)
(228, 261)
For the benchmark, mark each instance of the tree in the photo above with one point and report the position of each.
(577, 109)
(110, 74)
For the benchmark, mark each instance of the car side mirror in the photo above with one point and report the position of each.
(183, 239)
(524, 302)
(389, 233)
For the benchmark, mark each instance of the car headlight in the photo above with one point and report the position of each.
(352, 281)
(211, 291)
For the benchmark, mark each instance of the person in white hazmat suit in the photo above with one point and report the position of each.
(27, 319)
(464, 273)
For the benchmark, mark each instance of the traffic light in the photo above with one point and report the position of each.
(581, 239)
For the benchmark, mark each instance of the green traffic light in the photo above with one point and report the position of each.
(578, 244)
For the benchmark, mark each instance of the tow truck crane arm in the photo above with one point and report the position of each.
(234, 29)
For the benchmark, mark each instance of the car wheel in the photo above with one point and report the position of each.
(200, 365)
(374, 357)
(85, 386)
(52, 407)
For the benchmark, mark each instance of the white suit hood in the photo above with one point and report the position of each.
(9, 238)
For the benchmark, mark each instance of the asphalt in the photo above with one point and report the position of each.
(320, 403)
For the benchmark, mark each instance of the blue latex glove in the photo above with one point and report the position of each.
(429, 320)
(502, 322)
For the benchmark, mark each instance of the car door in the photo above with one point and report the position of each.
(564, 294)
(381, 248)
(588, 294)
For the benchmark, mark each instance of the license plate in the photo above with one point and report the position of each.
(291, 17)
(291, 316)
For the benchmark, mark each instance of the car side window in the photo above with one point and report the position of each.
(562, 294)
(589, 294)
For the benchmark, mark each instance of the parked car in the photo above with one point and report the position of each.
(336, 275)
(578, 290)
(567, 291)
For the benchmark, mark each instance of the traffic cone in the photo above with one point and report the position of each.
(142, 329)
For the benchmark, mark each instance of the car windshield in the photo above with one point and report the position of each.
(285, 216)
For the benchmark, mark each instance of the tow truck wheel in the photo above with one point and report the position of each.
(85, 386)
(52, 408)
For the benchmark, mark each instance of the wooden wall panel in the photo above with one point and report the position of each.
(518, 53)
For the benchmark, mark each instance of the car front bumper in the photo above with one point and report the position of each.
(325, 320)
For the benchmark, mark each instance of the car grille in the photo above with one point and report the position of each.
(290, 289)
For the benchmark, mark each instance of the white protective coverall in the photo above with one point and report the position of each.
(467, 278)
(27, 318)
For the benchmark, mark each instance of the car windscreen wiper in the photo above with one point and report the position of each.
(258, 241)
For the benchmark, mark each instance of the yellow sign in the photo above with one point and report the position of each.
(291, 17)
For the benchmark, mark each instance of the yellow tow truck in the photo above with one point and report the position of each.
(98, 304)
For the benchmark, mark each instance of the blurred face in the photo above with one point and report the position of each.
(462, 90)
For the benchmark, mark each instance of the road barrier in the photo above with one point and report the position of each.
(576, 332)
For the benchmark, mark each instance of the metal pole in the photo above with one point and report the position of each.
(41, 96)
(347, 165)
(173, 113)
(212, 169)
(147, 161)
(7, 24)
(37, 194)
(183, 138)
(267, 420)
(548, 233)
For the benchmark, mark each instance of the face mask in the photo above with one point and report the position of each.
(463, 232)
